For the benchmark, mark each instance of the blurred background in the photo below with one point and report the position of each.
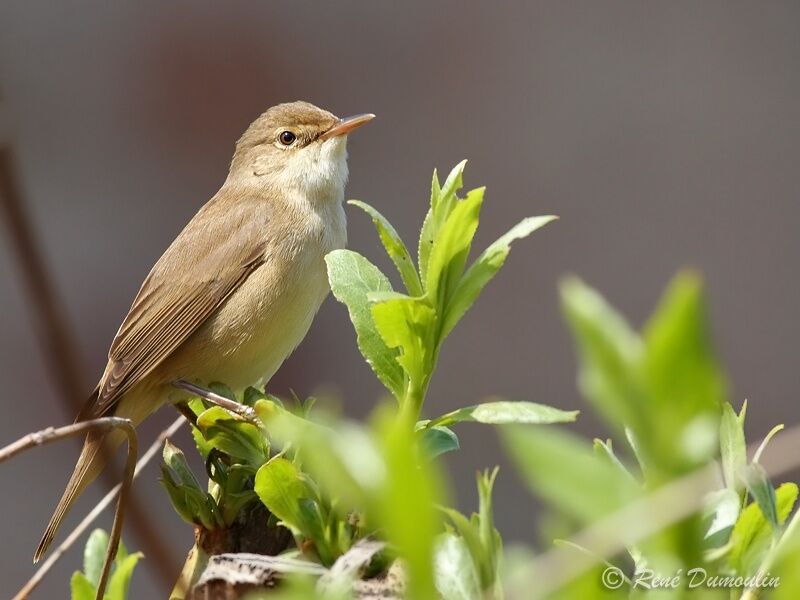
(663, 135)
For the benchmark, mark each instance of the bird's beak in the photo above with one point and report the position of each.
(346, 125)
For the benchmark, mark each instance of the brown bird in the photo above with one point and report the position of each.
(236, 292)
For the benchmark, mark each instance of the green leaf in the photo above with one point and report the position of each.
(490, 537)
(94, 554)
(406, 323)
(721, 513)
(442, 201)
(605, 451)
(290, 495)
(753, 533)
(353, 278)
(456, 578)
(282, 487)
(437, 440)
(451, 248)
(188, 499)
(120, 580)
(610, 353)
(81, 588)
(732, 445)
(664, 388)
(175, 460)
(562, 468)
(761, 490)
(501, 412)
(484, 269)
(236, 438)
(685, 385)
(395, 248)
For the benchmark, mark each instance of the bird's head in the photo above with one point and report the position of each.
(296, 146)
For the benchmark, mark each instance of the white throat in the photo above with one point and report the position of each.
(318, 172)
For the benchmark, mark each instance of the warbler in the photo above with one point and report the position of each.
(237, 290)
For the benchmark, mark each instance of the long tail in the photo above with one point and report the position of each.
(90, 463)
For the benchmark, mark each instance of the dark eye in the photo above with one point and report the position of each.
(287, 138)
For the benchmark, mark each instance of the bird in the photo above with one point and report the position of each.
(236, 291)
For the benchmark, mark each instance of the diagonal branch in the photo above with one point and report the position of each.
(103, 424)
(58, 344)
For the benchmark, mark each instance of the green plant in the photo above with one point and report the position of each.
(401, 334)
(83, 585)
(675, 491)
(664, 394)
(334, 483)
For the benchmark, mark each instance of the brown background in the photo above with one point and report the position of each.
(664, 134)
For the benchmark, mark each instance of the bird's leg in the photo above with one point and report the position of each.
(241, 410)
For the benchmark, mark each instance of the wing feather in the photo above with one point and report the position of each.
(214, 254)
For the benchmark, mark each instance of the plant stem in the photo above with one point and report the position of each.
(413, 399)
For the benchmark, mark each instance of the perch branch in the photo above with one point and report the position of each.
(103, 424)
(76, 533)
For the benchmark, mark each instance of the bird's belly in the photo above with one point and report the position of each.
(257, 328)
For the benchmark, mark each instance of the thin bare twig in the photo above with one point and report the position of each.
(242, 410)
(76, 533)
(103, 424)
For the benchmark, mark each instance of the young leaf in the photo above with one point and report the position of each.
(610, 354)
(760, 488)
(282, 487)
(490, 537)
(752, 533)
(395, 248)
(436, 440)
(562, 468)
(442, 200)
(484, 269)
(732, 445)
(685, 385)
(189, 500)
(721, 512)
(605, 451)
(502, 412)
(236, 438)
(456, 578)
(81, 588)
(175, 460)
(121, 577)
(451, 248)
(406, 323)
(94, 554)
(352, 278)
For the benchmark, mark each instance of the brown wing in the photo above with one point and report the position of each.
(219, 248)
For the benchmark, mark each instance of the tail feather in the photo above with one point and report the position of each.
(89, 464)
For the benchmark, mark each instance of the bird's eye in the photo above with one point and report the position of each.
(287, 138)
